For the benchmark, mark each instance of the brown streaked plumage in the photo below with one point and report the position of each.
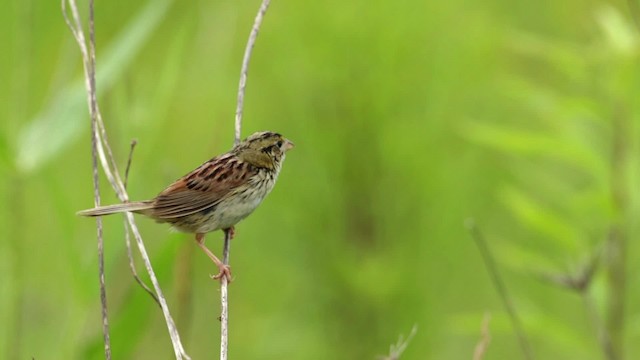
(216, 195)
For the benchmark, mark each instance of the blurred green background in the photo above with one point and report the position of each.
(409, 117)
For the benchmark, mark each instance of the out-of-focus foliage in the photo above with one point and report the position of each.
(408, 118)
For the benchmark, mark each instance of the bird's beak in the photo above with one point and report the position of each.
(288, 145)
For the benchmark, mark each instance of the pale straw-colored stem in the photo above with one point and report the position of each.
(224, 295)
(107, 162)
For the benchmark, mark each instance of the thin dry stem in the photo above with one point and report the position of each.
(580, 283)
(490, 264)
(396, 350)
(132, 147)
(245, 66)
(173, 331)
(485, 339)
(224, 299)
(114, 178)
(90, 78)
(224, 295)
(127, 237)
(132, 265)
(108, 163)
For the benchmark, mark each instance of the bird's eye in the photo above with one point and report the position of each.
(279, 143)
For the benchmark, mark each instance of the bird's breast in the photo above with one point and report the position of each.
(240, 204)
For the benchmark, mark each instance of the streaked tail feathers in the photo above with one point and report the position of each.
(139, 206)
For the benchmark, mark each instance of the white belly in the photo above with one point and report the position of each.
(235, 208)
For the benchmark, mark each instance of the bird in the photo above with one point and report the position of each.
(216, 195)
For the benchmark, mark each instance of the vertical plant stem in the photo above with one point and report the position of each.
(245, 67)
(96, 184)
(616, 247)
(99, 143)
(224, 300)
(490, 264)
(601, 332)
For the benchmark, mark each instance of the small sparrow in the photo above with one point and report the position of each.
(217, 194)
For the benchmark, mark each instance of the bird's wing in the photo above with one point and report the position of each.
(202, 188)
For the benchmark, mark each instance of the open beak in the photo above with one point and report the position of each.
(288, 145)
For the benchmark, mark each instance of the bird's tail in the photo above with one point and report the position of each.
(138, 206)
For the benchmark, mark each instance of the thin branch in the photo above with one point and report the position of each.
(617, 245)
(132, 147)
(127, 237)
(123, 196)
(90, 77)
(581, 279)
(114, 178)
(485, 339)
(94, 165)
(396, 350)
(173, 331)
(224, 299)
(132, 265)
(490, 263)
(602, 332)
(245, 66)
(580, 283)
(108, 164)
(224, 295)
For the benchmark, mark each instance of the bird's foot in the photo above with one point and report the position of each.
(225, 271)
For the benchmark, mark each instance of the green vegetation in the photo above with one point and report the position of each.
(409, 117)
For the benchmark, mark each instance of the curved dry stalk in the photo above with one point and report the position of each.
(224, 298)
(127, 236)
(90, 82)
(245, 66)
(485, 338)
(99, 143)
(132, 266)
(396, 350)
